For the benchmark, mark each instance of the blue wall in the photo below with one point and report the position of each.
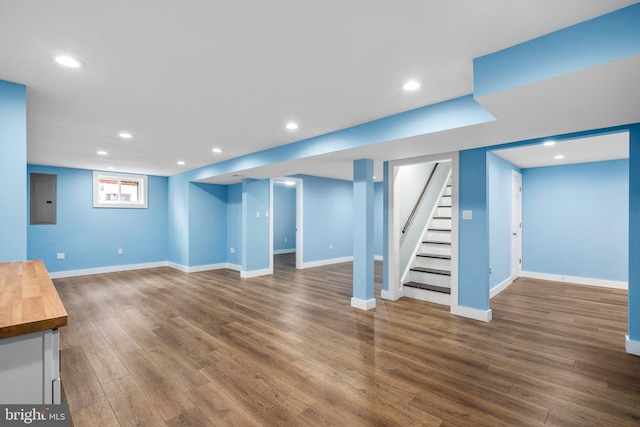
(207, 224)
(327, 218)
(634, 233)
(255, 224)
(178, 219)
(378, 218)
(90, 237)
(13, 161)
(473, 238)
(499, 171)
(284, 217)
(576, 220)
(234, 224)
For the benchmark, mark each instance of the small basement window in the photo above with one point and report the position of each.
(119, 190)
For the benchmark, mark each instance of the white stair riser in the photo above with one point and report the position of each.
(437, 263)
(445, 201)
(441, 223)
(428, 296)
(440, 211)
(439, 236)
(431, 279)
(436, 249)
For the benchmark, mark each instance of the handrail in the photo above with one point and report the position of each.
(415, 208)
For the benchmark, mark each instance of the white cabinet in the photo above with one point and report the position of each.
(30, 368)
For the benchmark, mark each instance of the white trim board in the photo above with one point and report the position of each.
(632, 347)
(284, 251)
(329, 261)
(576, 280)
(110, 269)
(199, 268)
(500, 287)
(256, 273)
(388, 295)
(363, 304)
(472, 313)
(378, 258)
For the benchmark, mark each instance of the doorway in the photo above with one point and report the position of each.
(285, 225)
(516, 224)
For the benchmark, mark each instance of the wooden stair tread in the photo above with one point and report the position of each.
(435, 242)
(428, 255)
(441, 217)
(432, 271)
(426, 287)
(439, 229)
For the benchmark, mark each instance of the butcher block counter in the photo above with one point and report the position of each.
(30, 314)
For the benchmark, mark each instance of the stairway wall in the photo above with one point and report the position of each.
(410, 240)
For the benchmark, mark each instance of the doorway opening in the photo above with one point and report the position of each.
(285, 225)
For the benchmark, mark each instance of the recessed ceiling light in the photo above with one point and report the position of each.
(217, 150)
(102, 152)
(125, 135)
(549, 143)
(180, 162)
(292, 126)
(559, 156)
(411, 85)
(68, 61)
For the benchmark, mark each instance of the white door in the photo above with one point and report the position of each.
(516, 224)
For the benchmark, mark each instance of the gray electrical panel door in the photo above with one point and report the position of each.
(43, 198)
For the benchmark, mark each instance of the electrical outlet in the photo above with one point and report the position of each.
(232, 250)
(60, 255)
(330, 247)
(119, 251)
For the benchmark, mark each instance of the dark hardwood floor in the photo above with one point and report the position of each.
(160, 347)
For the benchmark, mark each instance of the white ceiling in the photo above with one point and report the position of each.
(184, 77)
(612, 146)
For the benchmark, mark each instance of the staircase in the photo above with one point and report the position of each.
(430, 273)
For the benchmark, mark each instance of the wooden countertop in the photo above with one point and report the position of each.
(28, 300)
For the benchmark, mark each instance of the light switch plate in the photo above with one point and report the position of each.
(467, 214)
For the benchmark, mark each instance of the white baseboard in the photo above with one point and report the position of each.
(632, 347)
(102, 270)
(363, 304)
(256, 273)
(207, 267)
(576, 280)
(330, 261)
(179, 267)
(471, 313)
(500, 287)
(284, 251)
(388, 295)
(235, 267)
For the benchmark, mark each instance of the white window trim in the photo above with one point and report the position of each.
(143, 203)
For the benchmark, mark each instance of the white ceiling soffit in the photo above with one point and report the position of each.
(611, 146)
